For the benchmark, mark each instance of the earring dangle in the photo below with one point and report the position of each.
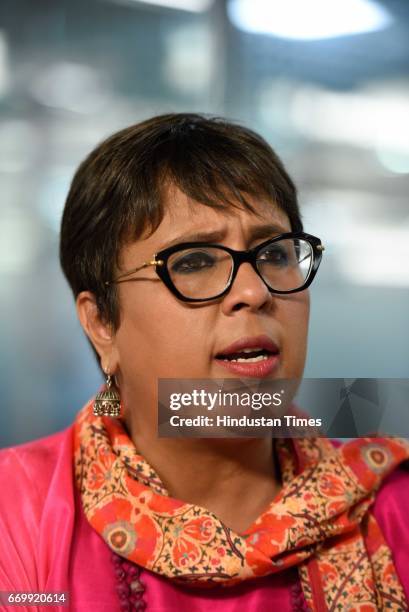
(108, 402)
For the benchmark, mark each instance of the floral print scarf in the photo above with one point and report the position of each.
(319, 521)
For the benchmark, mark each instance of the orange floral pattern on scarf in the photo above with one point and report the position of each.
(319, 521)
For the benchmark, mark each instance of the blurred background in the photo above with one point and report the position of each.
(325, 81)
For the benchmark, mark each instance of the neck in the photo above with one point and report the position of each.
(235, 478)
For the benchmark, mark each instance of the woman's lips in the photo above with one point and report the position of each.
(258, 369)
(253, 346)
(248, 342)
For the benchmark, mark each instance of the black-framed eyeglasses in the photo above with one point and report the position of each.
(199, 271)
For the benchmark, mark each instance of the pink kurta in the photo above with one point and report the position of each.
(46, 543)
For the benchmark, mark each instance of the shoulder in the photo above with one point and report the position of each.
(34, 463)
(37, 501)
(31, 472)
(40, 448)
(391, 509)
(391, 506)
(392, 498)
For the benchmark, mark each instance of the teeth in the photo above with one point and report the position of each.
(248, 359)
(251, 350)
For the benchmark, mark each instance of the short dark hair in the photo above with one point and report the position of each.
(117, 191)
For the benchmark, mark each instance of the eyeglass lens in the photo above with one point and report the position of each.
(204, 272)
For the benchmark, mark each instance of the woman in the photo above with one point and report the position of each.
(121, 519)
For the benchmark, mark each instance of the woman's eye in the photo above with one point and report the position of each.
(194, 262)
(275, 255)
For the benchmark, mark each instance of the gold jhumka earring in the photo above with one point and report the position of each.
(108, 402)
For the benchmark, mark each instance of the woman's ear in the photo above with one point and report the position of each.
(98, 331)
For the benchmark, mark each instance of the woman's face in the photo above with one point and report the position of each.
(162, 337)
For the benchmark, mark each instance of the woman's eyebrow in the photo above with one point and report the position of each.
(254, 233)
(266, 231)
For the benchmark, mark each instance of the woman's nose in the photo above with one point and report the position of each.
(247, 291)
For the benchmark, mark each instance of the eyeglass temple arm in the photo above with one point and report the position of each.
(146, 264)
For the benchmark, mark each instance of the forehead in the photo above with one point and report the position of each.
(183, 214)
(184, 218)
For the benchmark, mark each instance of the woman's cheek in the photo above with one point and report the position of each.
(295, 332)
